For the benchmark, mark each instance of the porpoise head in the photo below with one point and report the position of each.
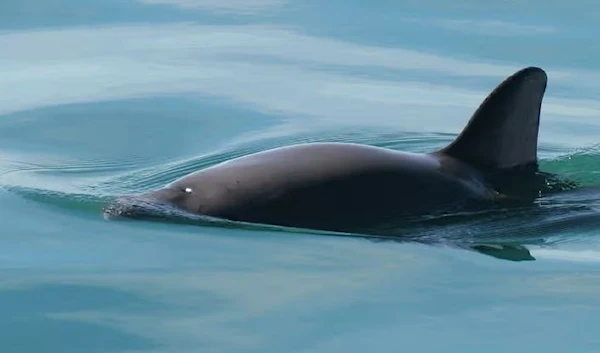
(170, 200)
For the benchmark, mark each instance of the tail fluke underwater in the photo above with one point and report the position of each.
(503, 131)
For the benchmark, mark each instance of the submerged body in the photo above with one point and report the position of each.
(350, 187)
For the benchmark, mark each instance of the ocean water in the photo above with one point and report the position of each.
(103, 98)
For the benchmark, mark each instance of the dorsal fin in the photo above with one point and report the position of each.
(503, 132)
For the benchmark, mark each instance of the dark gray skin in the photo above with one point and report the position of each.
(349, 187)
(328, 186)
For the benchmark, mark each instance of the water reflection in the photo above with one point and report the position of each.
(271, 69)
(74, 283)
(481, 27)
(331, 290)
(225, 6)
(42, 311)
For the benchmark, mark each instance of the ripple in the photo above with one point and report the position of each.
(581, 165)
(87, 185)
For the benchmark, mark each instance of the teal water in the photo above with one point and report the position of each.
(101, 98)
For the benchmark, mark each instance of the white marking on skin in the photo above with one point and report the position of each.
(188, 190)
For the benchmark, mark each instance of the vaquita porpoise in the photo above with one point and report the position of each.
(349, 187)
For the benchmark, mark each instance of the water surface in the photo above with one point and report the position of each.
(102, 98)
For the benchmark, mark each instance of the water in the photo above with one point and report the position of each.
(101, 98)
